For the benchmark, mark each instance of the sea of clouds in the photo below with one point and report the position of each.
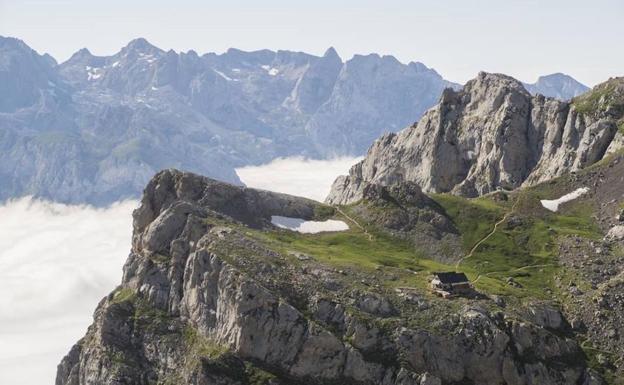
(58, 261)
(297, 176)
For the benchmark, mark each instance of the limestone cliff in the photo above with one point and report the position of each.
(211, 294)
(493, 134)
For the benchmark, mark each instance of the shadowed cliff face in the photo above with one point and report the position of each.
(212, 294)
(492, 134)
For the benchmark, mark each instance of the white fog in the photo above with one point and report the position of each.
(58, 261)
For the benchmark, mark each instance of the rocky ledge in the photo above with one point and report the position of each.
(207, 298)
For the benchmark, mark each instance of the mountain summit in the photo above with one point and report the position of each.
(490, 135)
(558, 85)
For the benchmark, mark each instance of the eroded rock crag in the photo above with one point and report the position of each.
(202, 301)
(491, 134)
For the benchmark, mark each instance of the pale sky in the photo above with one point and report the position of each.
(458, 38)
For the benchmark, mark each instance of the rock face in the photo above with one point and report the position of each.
(96, 128)
(403, 211)
(559, 86)
(373, 94)
(492, 134)
(203, 301)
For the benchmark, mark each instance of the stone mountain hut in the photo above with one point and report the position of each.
(450, 284)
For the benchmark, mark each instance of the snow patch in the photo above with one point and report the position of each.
(553, 205)
(147, 57)
(224, 76)
(116, 64)
(270, 70)
(93, 73)
(308, 227)
(154, 88)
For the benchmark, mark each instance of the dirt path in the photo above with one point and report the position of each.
(507, 271)
(485, 238)
(370, 237)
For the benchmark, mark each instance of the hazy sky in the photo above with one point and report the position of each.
(456, 37)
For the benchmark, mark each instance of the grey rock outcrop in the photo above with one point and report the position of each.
(202, 301)
(490, 135)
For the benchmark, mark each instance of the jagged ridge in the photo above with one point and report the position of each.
(203, 301)
(490, 135)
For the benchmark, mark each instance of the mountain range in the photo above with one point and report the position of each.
(95, 128)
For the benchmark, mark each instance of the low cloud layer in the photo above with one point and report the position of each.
(297, 176)
(56, 263)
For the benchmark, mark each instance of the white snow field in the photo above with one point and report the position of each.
(553, 205)
(308, 227)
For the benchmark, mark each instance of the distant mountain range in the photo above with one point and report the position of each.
(95, 129)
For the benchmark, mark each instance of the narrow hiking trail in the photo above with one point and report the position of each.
(507, 271)
(490, 234)
(370, 237)
(486, 237)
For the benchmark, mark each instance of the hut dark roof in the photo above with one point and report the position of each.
(451, 277)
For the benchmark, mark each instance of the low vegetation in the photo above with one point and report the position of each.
(519, 259)
(202, 346)
(608, 95)
(123, 294)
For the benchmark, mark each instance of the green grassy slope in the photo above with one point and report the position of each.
(524, 247)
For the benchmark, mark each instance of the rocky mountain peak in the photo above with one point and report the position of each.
(606, 100)
(557, 85)
(81, 54)
(82, 58)
(489, 135)
(419, 67)
(7, 42)
(27, 77)
(491, 85)
(141, 45)
(331, 53)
